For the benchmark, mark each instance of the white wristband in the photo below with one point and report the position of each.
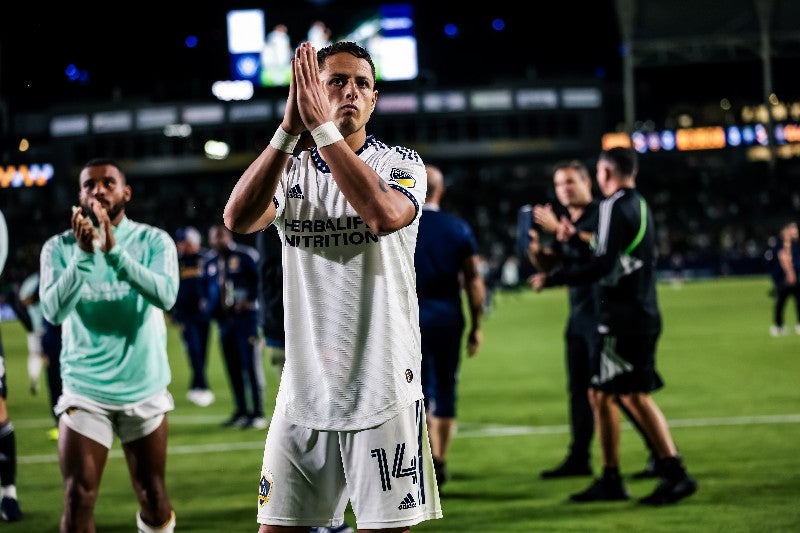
(284, 142)
(326, 134)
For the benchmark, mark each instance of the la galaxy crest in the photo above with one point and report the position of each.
(264, 487)
(402, 178)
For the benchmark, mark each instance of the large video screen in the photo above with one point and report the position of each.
(261, 42)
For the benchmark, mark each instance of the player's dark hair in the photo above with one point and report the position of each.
(349, 47)
(101, 161)
(624, 159)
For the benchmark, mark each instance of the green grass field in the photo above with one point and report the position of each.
(732, 397)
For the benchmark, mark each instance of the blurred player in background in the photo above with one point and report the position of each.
(9, 506)
(232, 269)
(192, 311)
(784, 264)
(44, 344)
(568, 244)
(29, 300)
(630, 325)
(446, 261)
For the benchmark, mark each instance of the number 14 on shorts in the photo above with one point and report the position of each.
(397, 469)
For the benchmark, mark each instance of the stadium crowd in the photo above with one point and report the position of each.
(711, 222)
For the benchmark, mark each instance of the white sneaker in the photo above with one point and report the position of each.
(257, 422)
(778, 331)
(206, 398)
(200, 397)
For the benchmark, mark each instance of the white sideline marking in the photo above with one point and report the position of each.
(502, 431)
(466, 431)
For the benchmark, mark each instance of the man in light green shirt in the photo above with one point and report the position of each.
(108, 282)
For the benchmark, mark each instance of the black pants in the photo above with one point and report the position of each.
(782, 295)
(580, 351)
(583, 347)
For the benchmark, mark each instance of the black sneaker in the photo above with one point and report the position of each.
(9, 509)
(236, 421)
(604, 489)
(569, 468)
(650, 470)
(671, 490)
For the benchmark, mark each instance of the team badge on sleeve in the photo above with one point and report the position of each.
(402, 178)
(264, 488)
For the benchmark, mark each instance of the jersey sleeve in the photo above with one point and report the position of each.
(404, 171)
(61, 278)
(157, 281)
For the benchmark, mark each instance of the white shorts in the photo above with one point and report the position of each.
(386, 472)
(100, 421)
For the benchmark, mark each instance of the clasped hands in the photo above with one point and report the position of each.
(86, 234)
(549, 222)
(562, 228)
(307, 105)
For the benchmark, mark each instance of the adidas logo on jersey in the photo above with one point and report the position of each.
(408, 502)
(296, 192)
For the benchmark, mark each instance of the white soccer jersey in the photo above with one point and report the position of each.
(352, 320)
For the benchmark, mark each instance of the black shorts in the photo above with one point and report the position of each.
(627, 363)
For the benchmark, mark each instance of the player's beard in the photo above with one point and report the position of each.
(116, 209)
(113, 211)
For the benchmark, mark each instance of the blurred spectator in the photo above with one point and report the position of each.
(276, 57)
(233, 272)
(784, 263)
(319, 34)
(29, 300)
(192, 311)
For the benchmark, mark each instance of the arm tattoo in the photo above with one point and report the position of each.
(382, 185)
